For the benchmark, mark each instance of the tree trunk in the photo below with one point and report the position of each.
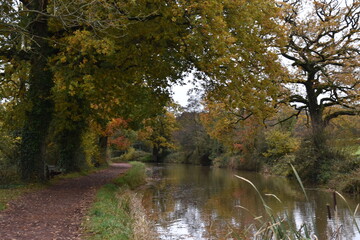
(71, 153)
(38, 118)
(103, 144)
(320, 166)
(316, 117)
(155, 153)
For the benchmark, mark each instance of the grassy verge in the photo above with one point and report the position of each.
(133, 178)
(117, 212)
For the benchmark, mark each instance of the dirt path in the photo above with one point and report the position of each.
(55, 212)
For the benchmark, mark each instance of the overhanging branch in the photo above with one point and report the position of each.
(328, 118)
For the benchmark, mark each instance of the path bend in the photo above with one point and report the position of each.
(57, 211)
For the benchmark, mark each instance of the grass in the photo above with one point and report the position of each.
(273, 226)
(117, 212)
(134, 177)
(109, 216)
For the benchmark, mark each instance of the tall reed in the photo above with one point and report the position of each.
(274, 226)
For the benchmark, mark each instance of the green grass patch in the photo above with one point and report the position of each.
(134, 177)
(109, 218)
(114, 213)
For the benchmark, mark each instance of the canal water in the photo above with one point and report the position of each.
(195, 202)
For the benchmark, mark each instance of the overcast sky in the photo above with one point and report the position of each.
(180, 94)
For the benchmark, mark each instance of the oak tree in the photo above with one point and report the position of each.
(323, 48)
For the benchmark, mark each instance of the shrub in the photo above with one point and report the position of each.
(319, 167)
(133, 155)
(238, 161)
(279, 144)
(176, 157)
(8, 174)
(352, 187)
(282, 167)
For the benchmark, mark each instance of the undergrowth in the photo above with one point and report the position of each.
(133, 155)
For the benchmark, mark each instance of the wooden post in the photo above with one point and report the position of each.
(335, 204)
(328, 210)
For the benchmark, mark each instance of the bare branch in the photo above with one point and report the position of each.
(328, 118)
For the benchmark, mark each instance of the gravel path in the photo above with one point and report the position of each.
(55, 212)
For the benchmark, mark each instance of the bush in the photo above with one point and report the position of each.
(282, 166)
(237, 161)
(8, 174)
(176, 157)
(352, 187)
(279, 144)
(9, 151)
(319, 167)
(133, 155)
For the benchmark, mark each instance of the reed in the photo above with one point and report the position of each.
(274, 226)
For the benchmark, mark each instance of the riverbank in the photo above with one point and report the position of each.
(117, 212)
(342, 175)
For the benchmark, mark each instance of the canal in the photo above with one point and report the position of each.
(196, 202)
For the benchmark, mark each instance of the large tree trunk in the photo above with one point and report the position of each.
(155, 153)
(320, 162)
(316, 117)
(38, 118)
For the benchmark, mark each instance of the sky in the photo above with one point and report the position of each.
(180, 93)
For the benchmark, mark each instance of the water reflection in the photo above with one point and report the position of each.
(193, 202)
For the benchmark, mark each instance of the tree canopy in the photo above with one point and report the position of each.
(69, 63)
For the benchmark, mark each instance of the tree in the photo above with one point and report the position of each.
(247, 75)
(123, 32)
(194, 142)
(323, 48)
(39, 81)
(121, 72)
(157, 131)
